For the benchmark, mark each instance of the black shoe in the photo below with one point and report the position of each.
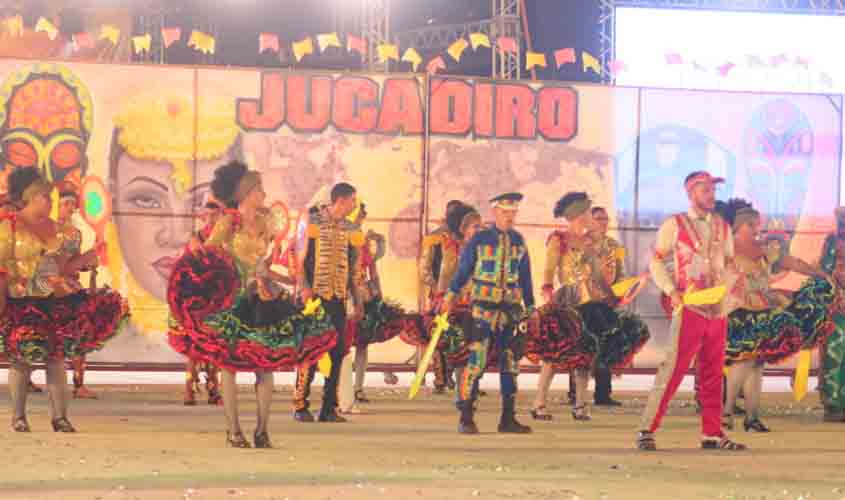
(303, 416)
(832, 414)
(331, 417)
(262, 440)
(738, 410)
(482, 394)
(34, 388)
(539, 413)
(467, 428)
(607, 402)
(237, 440)
(581, 414)
(439, 389)
(755, 425)
(62, 425)
(509, 425)
(466, 424)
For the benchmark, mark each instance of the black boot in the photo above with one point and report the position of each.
(508, 423)
(466, 425)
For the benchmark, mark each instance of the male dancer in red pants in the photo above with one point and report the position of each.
(701, 245)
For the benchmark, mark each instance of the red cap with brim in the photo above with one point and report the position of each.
(700, 178)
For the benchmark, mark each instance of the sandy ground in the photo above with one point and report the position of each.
(139, 442)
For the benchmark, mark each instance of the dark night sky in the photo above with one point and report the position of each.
(553, 24)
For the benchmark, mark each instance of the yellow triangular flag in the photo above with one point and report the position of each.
(457, 49)
(590, 62)
(327, 40)
(479, 40)
(387, 51)
(802, 374)
(533, 59)
(325, 365)
(412, 56)
(46, 26)
(14, 25)
(302, 48)
(142, 43)
(203, 42)
(110, 32)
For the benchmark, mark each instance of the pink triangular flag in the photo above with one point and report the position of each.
(435, 65)
(170, 36)
(778, 60)
(356, 43)
(674, 58)
(83, 41)
(800, 61)
(268, 41)
(725, 68)
(617, 67)
(506, 44)
(564, 56)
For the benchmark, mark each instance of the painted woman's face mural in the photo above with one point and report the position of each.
(46, 117)
(778, 159)
(157, 186)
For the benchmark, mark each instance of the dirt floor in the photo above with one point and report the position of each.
(139, 442)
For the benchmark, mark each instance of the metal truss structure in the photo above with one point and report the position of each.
(607, 17)
(375, 29)
(505, 22)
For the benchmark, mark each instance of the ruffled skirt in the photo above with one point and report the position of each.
(37, 329)
(578, 337)
(773, 335)
(214, 319)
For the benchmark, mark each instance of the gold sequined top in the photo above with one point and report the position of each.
(21, 253)
(571, 265)
(751, 289)
(248, 245)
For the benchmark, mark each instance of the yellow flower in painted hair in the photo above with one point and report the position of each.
(162, 128)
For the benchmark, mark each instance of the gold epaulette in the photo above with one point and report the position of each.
(356, 238)
(432, 239)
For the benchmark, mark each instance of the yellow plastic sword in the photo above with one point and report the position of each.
(325, 363)
(802, 374)
(441, 323)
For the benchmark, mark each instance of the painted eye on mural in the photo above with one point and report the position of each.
(145, 202)
(20, 154)
(66, 155)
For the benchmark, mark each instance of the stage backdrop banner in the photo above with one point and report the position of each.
(148, 138)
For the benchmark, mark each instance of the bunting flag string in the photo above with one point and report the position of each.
(205, 43)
